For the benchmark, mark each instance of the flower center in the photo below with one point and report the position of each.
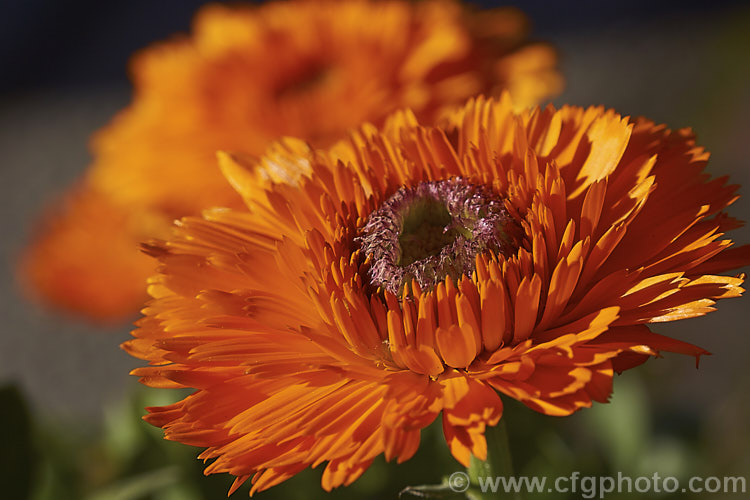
(304, 80)
(434, 230)
(426, 229)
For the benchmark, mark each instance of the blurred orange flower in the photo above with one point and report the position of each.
(82, 254)
(249, 75)
(416, 271)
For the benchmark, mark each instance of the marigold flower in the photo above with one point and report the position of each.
(308, 69)
(415, 271)
(82, 251)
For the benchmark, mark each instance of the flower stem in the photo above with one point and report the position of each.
(498, 463)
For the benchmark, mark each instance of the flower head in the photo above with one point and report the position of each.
(308, 69)
(82, 252)
(285, 317)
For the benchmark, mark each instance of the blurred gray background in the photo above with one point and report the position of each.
(63, 67)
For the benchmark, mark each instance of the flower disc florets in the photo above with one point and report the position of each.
(434, 230)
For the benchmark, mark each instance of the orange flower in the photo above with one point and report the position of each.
(416, 271)
(82, 252)
(308, 69)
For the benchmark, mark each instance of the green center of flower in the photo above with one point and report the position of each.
(432, 231)
(426, 230)
(307, 78)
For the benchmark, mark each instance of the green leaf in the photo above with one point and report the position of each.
(17, 457)
(498, 463)
(137, 487)
(123, 437)
(622, 426)
(431, 491)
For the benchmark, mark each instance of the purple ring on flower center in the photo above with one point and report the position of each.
(434, 230)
